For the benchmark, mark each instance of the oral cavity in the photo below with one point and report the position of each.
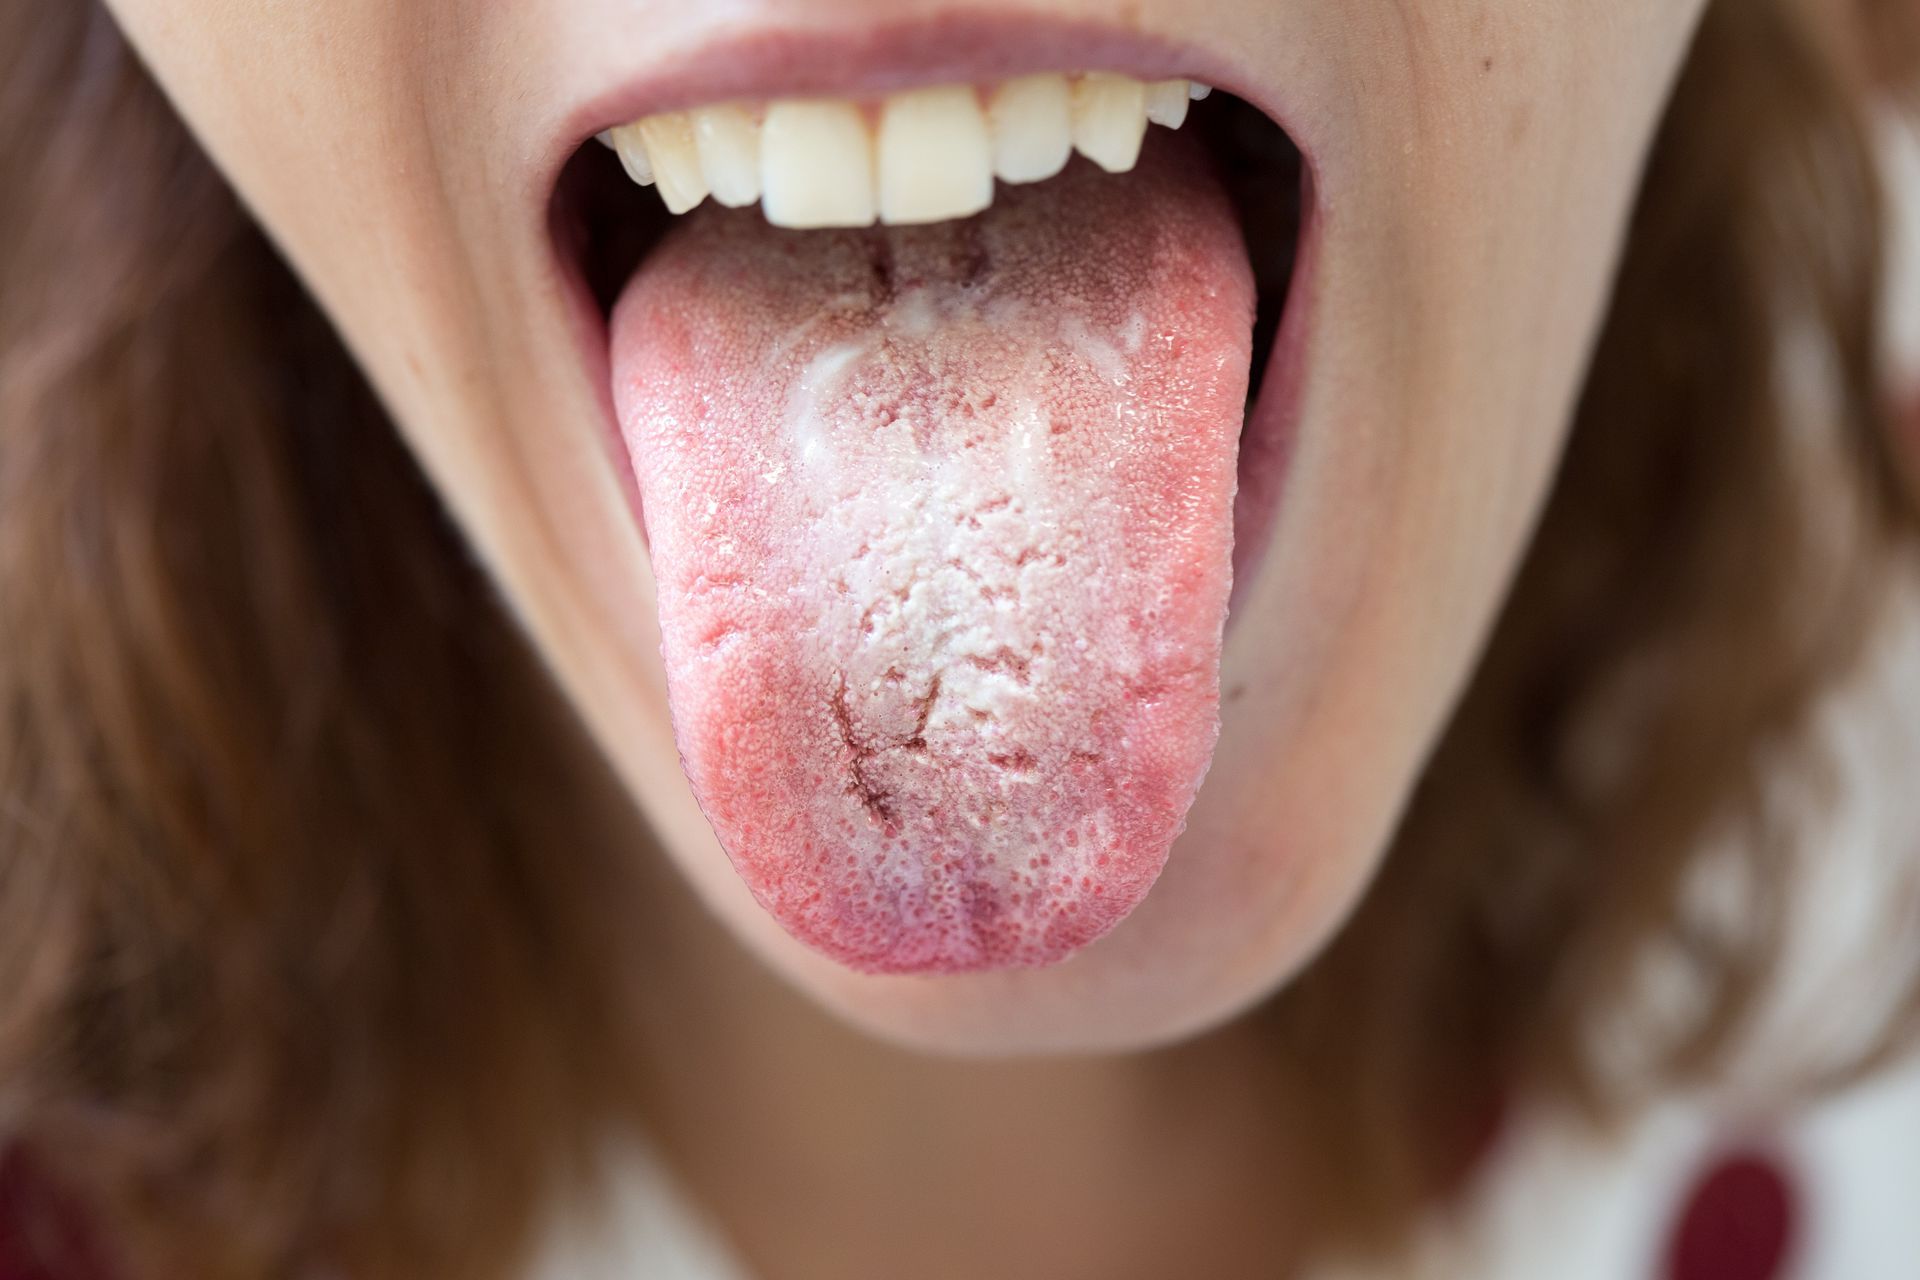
(941, 519)
(917, 156)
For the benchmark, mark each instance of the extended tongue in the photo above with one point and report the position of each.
(942, 523)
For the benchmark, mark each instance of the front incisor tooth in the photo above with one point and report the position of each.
(1109, 119)
(1167, 103)
(728, 140)
(676, 161)
(935, 161)
(1032, 120)
(632, 150)
(816, 165)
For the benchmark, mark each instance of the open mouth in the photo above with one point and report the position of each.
(954, 409)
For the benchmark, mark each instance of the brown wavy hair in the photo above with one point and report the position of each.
(303, 942)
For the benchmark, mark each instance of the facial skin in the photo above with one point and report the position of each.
(1474, 163)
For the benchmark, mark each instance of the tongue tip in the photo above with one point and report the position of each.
(938, 894)
(976, 931)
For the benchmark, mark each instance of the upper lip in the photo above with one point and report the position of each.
(865, 58)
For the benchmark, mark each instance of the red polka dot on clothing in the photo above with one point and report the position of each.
(1739, 1223)
(41, 1235)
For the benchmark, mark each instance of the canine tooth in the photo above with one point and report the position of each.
(728, 140)
(605, 138)
(935, 161)
(676, 162)
(816, 165)
(632, 150)
(1109, 119)
(1167, 103)
(1032, 119)
(1198, 91)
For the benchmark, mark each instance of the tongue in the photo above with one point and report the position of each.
(942, 524)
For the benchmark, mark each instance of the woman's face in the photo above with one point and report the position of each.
(944, 692)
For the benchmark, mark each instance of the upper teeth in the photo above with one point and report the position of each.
(924, 155)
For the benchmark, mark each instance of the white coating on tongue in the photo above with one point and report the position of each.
(941, 519)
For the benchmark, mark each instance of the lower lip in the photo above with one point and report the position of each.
(1267, 441)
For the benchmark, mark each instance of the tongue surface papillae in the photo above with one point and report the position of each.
(942, 523)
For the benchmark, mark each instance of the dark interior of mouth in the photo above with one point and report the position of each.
(943, 521)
